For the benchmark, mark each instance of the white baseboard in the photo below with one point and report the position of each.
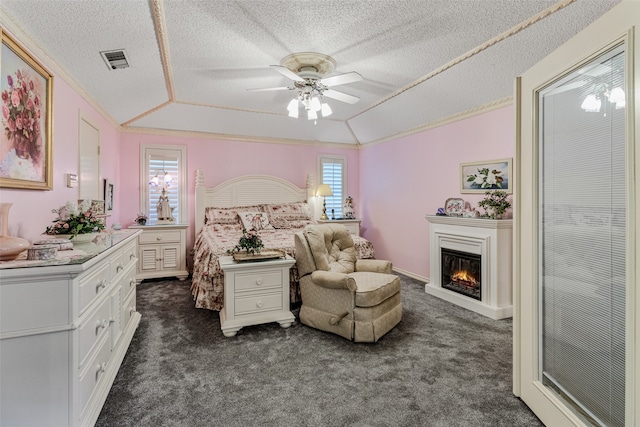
(413, 276)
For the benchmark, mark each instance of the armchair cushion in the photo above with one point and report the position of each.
(374, 288)
(332, 248)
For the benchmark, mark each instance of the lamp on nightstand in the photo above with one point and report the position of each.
(324, 190)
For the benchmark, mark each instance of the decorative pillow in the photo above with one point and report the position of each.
(255, 220)
(289, 211)
(215, 215)
(279, 222)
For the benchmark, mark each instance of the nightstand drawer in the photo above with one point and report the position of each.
(252, 304)
(259, 280)
(163, 236)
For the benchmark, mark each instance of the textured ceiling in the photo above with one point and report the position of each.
(192, 61)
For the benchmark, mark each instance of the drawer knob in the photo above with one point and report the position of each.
(259, 282)
(102, 284)
(132, 282)
(132, 310)
(102, 367)
(259, 304)
(159, 238)
(132, 256)
(100, 324)
(119, 267)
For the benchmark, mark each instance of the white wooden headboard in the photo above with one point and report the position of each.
(248, 190)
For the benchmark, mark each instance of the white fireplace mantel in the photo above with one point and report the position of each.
(492, 239)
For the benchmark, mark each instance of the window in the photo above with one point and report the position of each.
(156, 161)
(332, 170)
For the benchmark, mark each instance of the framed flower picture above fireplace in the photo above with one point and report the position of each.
(27, 108)
(478, 177)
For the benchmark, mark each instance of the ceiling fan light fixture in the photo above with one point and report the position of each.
(293, 113)
(617, 97)
(315, 104)
(326, 110)
(312, 115)
(293, 105)
(591, 104)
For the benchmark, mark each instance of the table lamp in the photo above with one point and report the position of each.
(324, 190)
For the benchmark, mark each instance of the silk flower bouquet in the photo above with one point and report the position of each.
(75, 219)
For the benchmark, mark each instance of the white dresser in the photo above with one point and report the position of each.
(64, 331)
(255, 293)
(162, 251)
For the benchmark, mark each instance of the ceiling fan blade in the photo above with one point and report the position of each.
(287, 73)
(341, 79)
(271, 88)
(340, 96)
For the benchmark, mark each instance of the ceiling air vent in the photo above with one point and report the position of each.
(115, 59)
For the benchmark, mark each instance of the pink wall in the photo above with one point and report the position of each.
(404, 179)
(31, 210)
(222, 160)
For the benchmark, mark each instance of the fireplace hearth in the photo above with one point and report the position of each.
(461, 272)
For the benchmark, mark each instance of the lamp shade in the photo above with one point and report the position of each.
(324, 190)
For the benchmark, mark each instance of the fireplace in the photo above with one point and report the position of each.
(481, 248)
(461, 272)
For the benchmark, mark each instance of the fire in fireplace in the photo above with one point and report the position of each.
(461, 272)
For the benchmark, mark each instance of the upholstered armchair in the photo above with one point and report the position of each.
(356, 299)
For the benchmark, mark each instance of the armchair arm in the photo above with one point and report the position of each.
(333, 280)
(374, 265)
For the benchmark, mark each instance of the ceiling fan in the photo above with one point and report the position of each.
(307, 70)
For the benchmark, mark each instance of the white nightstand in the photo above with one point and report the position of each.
(353, 225)
(162, 251)
(255, 293)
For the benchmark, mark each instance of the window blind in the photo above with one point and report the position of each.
(333, 174)
(582, 226)
(158, 165)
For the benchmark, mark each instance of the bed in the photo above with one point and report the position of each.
(218, 227)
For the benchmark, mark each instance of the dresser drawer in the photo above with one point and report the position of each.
(93, 284)
(128, 308)
(157, 236)
(129, 253)
(257, 303)
(258, 280)
(92, 329)
(117, 263)
(128, 281)
(94, 372)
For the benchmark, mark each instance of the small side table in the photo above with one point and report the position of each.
(162, 251)
(255, 293)
(353, 225)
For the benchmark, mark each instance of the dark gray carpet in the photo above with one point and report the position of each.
(441, 366)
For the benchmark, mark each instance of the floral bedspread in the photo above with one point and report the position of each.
(215, 239)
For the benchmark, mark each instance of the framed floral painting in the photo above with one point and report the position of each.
(478, 177)
(27, 114)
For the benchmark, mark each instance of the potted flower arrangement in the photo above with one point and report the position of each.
(250, 242)
(495, 204)
(74, 220)
(141, 219)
